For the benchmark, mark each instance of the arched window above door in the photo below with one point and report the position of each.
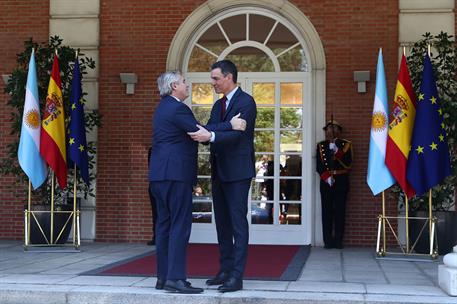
(254, 42)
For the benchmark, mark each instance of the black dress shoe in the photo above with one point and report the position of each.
(160, 283)
(181, 286)
(219, 279)
(151, 242)
(231, 284)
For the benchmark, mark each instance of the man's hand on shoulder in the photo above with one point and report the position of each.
(202, 135)
(238, 124)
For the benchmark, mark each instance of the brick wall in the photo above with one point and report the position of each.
(352, 32)
(131, 40)
(19, 20)
(135, 36)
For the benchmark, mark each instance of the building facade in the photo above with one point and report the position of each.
(297, 58)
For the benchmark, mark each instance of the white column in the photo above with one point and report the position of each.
(78, 24)
(447, 273)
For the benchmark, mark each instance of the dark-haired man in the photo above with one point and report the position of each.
(233, 167)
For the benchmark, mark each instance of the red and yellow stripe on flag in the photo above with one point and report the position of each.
(401, 128)
(52, 145)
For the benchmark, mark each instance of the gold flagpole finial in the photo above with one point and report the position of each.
(404, 51)
(428, 49)
(77, 54)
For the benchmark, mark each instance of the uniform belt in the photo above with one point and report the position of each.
(338, 172)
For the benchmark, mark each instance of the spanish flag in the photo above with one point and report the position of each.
(401, 128)
(52, 145)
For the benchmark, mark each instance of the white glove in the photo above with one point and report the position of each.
(330, 181)
(333, 147)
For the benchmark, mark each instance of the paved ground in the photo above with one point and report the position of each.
(351, 275)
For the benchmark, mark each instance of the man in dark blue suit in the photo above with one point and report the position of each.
(233, 167)
(172, 174)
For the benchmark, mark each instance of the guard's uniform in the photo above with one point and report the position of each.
(336, 165)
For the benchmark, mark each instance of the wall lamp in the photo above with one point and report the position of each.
(129, 79)
(361, 77)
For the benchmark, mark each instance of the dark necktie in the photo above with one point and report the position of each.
(223, 106)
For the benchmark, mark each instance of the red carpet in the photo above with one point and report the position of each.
(265, 262)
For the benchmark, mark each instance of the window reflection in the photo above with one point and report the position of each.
(281, 39)
(202, 212)
(290, 214)
(262, 213)
(204, 167)
(235, 27)
(264, 93)
(213, 40)
(291, 141)
(292, 93)
(200, 61)
(264, 141)
(291, 117)
(202, 114)
(260, 27)
(202, 93)
(202, 190)
(265, 117)
(249, 59)
(293, 60)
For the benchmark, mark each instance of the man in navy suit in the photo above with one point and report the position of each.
(172, 174)
(232, 169)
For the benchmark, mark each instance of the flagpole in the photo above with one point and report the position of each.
(29, 205)
(383, 222)
(74, 203)
(407, 222)
(52, 208)
(430, 218)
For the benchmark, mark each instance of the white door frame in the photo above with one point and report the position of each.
(274, 233)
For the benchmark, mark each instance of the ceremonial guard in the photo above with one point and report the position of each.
(334, 160)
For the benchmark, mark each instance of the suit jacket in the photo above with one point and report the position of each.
(174, 153)
(232, 152)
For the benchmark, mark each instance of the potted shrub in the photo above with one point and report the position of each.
(9, 165)
(444, 60)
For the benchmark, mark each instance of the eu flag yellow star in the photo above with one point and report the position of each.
(81, 148)
(433, 99)
(420, 97)
(434, 146)
(420, 150)
(71, 141)
(441, 137)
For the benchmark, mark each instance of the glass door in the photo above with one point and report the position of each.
(276, 204)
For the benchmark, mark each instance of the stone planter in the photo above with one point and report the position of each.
(446, 231)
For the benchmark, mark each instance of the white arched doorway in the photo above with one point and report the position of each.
(278, 65)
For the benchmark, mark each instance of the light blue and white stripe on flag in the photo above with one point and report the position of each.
(28, 154)
(379, 177)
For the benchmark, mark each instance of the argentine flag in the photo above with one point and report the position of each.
(28, 154)
(379, 177)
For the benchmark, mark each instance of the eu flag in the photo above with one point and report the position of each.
(77, 138)
(428, 162)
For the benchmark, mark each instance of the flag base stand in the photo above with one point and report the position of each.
(405, 251)
(51, 236)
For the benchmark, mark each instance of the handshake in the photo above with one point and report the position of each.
(203, 135)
